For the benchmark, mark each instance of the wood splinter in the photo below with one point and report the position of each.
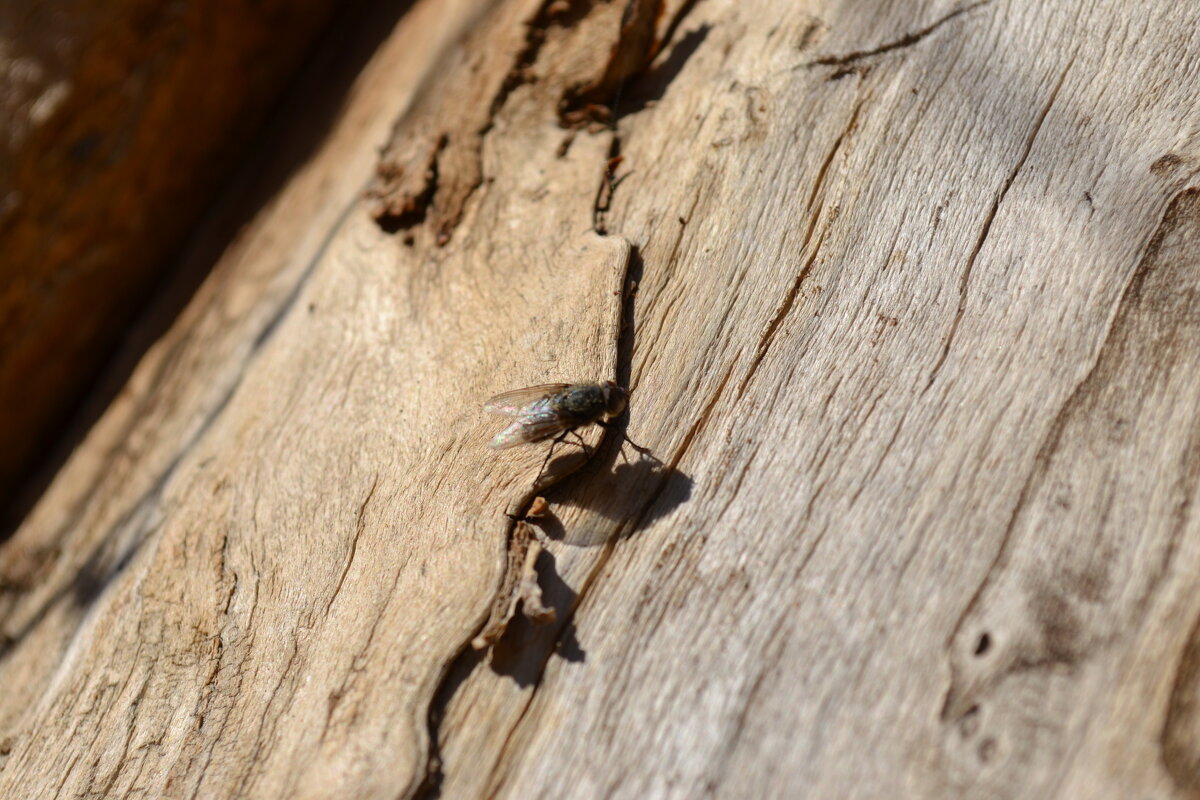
(520, 587)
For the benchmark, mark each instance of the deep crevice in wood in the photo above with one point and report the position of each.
(631, 54)
(608, 185)
(399, 207)
(472, 652)
(403, 211)
(468, 659)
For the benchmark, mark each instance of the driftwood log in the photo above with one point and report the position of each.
(908, 300)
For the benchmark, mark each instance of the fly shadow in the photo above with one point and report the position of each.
(631, 494)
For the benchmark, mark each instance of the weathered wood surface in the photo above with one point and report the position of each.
(118, 123)
(916, 336)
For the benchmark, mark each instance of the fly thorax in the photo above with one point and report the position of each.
(580, 403)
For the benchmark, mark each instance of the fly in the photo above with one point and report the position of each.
(555, 411)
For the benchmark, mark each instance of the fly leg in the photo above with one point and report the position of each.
(562, 437)
(587, 451)
(626, 440)
(549, 453)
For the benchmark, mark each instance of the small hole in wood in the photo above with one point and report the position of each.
(984, 644)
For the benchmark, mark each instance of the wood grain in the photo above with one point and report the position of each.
(907, 300)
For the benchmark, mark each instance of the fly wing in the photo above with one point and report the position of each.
(511, 404)
(535, 423)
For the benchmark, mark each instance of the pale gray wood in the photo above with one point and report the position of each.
(915, 336)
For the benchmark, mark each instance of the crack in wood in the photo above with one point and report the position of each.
(131, 728)
(608, 185)
(263, 735)
(964, 280)
(781, 313)
(907, 40)
(632, 52)
(358, 531)
(514, 590)
(585, 590)
(400, 210)
(355, 667)
(823, 171)
(789, 299)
